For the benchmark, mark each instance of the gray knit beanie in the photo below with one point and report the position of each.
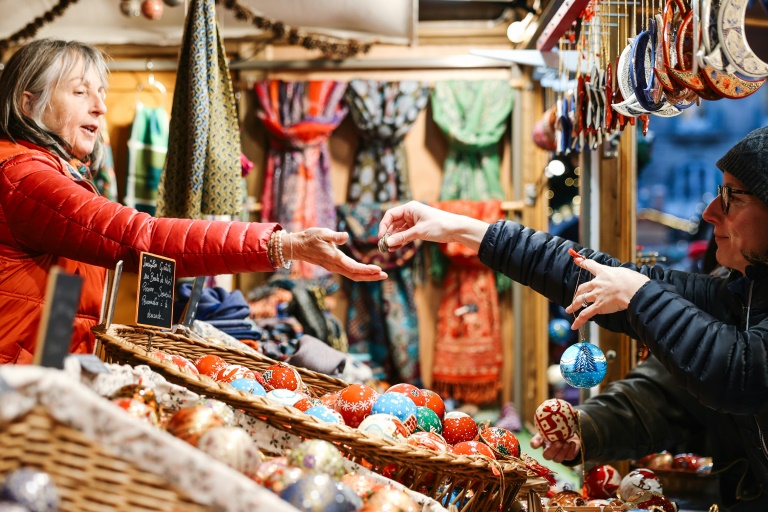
(748, 162)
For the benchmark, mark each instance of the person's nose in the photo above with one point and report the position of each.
(713, 213)
(99, 107)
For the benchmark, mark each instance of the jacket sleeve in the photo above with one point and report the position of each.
(640, 414)
(680, 316)
(50, 213)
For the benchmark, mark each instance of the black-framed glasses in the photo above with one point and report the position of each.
(726, 194)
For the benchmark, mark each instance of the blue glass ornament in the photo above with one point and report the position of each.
(583, 365)
(249, 386)
(559, 331)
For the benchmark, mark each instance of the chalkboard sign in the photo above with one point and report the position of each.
(62, 295)
(154, 299)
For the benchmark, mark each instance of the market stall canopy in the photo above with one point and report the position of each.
(101, 22)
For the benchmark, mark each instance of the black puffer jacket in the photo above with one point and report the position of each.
(711, 337)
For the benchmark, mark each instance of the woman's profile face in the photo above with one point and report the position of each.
(76, 108)
(742, 230)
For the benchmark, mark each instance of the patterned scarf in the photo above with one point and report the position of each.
(299, 118)
(202, 173)
(473, 116)
(381, 318)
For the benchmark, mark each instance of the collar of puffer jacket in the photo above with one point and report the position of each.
(755, 276)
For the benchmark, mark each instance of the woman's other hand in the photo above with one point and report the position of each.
(318, 246)
(610, 291)
(558, 451)
(417, 221)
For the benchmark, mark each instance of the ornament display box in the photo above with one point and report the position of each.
(102, 460)
(472, 484)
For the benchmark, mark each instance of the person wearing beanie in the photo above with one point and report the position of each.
(704, 389)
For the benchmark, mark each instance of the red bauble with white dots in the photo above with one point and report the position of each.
(355, 402)
(410, 391)
(185, 364)
(473, 448)
(282, 376)
(555, 419)
(602, 482)
(459, 426)
(434, 402)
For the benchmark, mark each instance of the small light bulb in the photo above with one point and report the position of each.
(555, 168)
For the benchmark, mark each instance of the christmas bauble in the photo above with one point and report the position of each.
(320, 493)
(459, 426)
(503, 442)
(210, 365)
(555, 419)
(410, 391)
(185, 364)
(152, 9)
(138, 410)
(191, 423)
(318, 456)
(649, 501)
(390, 500)
(249, 386)
(235, 371)
(224, 411)
(384, 425)
(428, 421)
(140, 393)
(355, 403)
(583, 365)
(284, 397)
(325, 414)
(434, 402)
(428, 440)
(397, 405)
(31, 489)
(639, 481)
(307, 403)
(566, 499)
(281, 376)
(473, 448)
(130, 8)
(232, 446)
(559, 331)
(363, 486)
(602, 482)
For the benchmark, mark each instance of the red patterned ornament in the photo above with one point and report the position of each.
(555, 419)
(138, 410)
(459, 426)
(637, 482)
(434, 402)
(185, 364)
(646, 500)
(410, 391)
(503, 442)
(282, 376)
(602, 482)
(363, 486)
(235, 371)
(429, 441)
(307, 403)
(355, 402)
(473, 448)
(210, 365)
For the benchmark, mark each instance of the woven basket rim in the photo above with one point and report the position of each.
(511, 468)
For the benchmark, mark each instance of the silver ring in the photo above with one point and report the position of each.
(584, 303)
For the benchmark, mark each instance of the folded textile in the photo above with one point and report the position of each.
(317, 356)
(215, 303)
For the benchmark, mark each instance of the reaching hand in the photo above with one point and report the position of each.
(558, 451)
(318, 246)
(610, 291)
(417, 221)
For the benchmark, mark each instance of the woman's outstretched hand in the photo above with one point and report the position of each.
(610, 291)
(417, 221)
(558, 451)
(318, 246)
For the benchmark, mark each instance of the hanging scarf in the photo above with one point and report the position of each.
(468, 348)
(299, 118)
(202, 173)
(381, 319)
(147, 150)
(473, 116)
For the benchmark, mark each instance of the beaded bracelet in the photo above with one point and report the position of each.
(281, 259)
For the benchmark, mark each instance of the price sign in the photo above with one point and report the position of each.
(62, 295)
(154, 300)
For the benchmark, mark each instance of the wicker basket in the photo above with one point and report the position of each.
(88, 477)
(474, 484)
(115, 463)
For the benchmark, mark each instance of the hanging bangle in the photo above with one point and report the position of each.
(270, 250)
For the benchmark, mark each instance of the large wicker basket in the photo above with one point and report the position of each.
(473, 484)
(112, 464)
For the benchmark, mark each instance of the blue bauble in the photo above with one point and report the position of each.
(559, 331)
(397, 405)
(323, 413)
(249, 386)
(583, 365)
(31, 489)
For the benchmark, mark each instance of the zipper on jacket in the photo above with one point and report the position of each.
(760, 435)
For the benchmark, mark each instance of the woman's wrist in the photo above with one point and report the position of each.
(470, 232)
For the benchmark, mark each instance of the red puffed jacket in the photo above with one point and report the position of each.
(48, 218)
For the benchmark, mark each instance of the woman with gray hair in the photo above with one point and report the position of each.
(51, 106)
